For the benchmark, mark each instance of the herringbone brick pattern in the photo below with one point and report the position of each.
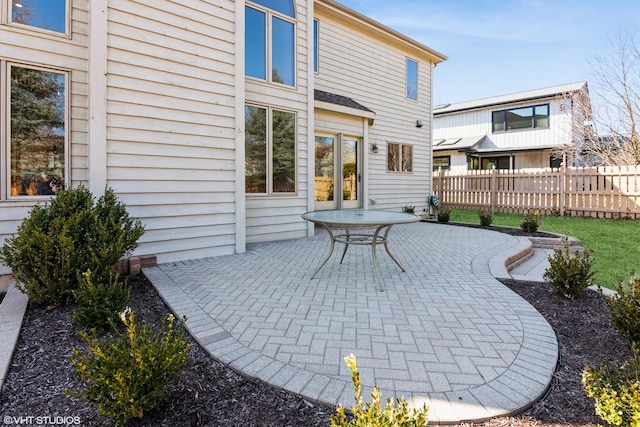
(445, 332)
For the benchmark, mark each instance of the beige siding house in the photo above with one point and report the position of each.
(515, 131)
(218, 123)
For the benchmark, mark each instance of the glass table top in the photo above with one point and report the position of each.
(360, 217)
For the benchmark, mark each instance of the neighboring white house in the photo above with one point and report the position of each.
(218, 123)
(514, 131)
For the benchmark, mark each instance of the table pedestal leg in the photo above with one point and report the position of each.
(333, 242)
(386, 246)
(346, 245)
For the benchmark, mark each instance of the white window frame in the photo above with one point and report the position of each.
(400, 160)
(269, 154)
(8, 14)
(5, 122)
(269, 15)
(406, 64)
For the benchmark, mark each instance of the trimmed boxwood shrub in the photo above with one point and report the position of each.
(616, 391)
(395, 413)
(569, 274)
(125, 375)
(62, 239)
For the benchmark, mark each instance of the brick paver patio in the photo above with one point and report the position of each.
(446, 332)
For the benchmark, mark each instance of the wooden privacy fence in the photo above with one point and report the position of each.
(602, 192)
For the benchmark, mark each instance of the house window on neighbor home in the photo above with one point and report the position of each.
(412, 79)
(399, 157)
(521, 118)
(270, 38)
(36, 141)
(270, 151)
(441, 163)
(48, 15)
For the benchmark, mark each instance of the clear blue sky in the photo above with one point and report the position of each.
(498, 47)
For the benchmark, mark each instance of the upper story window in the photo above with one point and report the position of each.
(48, 15)
(412, 79)
(316, 50)
(37, 139)
(399, 157)
(270, 40)
(533, 117)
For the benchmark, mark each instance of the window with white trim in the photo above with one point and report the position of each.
(412, 79)
(50, 15)
(270, 40)
(270, 150)
(35, 115)
(399, 157)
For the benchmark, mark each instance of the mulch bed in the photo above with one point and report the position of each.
(211, 394)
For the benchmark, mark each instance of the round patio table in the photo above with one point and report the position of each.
(360, 219)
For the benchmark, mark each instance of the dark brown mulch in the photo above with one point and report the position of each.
(210, 394)
(507, 230)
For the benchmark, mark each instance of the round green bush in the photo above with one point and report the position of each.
(60, 240)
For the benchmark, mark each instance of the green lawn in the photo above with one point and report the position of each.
(615, 244)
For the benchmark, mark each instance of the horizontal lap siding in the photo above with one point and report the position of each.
(171, 123)
(278, 217)
(24, 45)
(372, 72)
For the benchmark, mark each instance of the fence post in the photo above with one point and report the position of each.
(440, 192)
(494, 189)
(563, 185)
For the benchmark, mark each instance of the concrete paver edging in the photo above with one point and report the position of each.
(446, 332)
(12, 310)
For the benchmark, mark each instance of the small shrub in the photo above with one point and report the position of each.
(531, 222)
(125, 375)
(99, 304)
(616, 391)
(394, 414)
(486, 217)
(59, 241)
(409, 209)
(443, 214)
(625, 309)
(569, 274)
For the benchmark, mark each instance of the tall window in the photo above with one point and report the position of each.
(270, 38)
(412, 79)
(36, 115)
(316, 50)
(521, 118)
(399, 157)
(45, 14)
(270, 151)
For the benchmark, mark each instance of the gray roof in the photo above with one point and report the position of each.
(457, 143)
(344, 101)
(529, 95)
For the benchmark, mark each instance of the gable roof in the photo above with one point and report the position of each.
(530, 95)
(376, 29)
